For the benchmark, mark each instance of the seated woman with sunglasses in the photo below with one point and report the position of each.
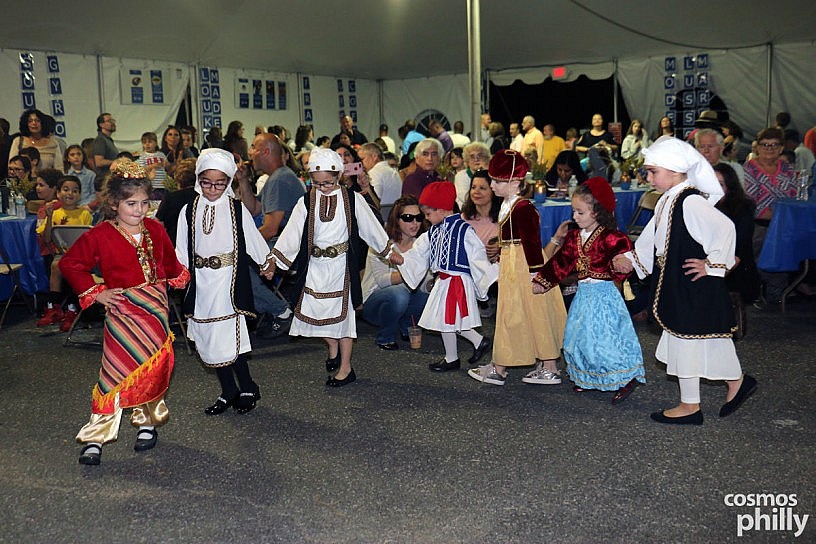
(387, 301)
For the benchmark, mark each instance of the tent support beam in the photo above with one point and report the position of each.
(475, 69)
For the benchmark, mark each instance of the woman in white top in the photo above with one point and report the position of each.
(636, 140)
(37, 131)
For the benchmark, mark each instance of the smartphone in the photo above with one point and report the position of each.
(353, 168)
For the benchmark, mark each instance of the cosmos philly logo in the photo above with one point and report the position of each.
(767, 512)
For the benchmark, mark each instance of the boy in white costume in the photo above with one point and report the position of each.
(320, 242)
(452, 251)
(218, 247)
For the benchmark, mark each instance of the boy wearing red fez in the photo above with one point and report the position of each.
(529, 327)
(453, 251)
(601, 348)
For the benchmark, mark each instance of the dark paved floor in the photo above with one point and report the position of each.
(404, 455)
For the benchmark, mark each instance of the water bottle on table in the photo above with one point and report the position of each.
(573, 183)
(19, 204)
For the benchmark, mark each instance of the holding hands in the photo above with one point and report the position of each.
(268, 268)
(622, 265)
(396, 258)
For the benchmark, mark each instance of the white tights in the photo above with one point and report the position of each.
(689, 390)
(449, 341)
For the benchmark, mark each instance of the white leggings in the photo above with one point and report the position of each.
(689, 390)
(449, 341)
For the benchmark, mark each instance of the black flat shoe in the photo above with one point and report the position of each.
(480, 350)
(748, 387)
(333, 364)
(443, 366)
(148, 442)
(246, 402)
(334, 382)
(388, 346)
(624, 391)
(91, 454)
(692, 419)
(219, 406)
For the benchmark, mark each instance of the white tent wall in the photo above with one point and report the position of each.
(794, 78)
(407, 98)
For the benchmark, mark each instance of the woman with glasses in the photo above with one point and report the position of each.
(387, 301)
(767, 179)
(477, 157)
(37, 131)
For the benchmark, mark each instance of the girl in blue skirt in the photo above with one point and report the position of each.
(600, 346)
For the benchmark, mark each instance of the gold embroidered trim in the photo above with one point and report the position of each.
(660, 285)
(711, 265)
(315, 294)
(328, 207)
(208, 219)
(279, 256)
(582, 265)
(387, 249)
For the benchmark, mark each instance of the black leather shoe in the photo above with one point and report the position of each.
(334, 382)
(91, 454)
(144, 444)
(624, 391)
(443, 366)
(246, 402)
(333, 364)
(692, 419)
(749, 385)
(479, 352)
(389, 346)
(219, 406)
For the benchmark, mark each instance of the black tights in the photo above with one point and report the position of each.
(241, 369)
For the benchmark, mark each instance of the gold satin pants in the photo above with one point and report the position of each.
(104, 428)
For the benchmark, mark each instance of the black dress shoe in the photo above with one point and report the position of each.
(388, 346)
(219, 406)
(333, 364)
(148, 443)
(692, 419)
(91, 454)
(749, 385)
(624, 391)
(246, 402)
(443, 366)
(334, 382)
(480, 350)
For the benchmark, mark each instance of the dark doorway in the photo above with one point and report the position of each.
(563, 104)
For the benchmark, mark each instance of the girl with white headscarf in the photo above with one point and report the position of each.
(216, 238)
(688, 246)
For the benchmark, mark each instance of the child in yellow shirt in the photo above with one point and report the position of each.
(69, 190)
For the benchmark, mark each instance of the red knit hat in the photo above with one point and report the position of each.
(439, 194)
(602, 192)
(507, 165)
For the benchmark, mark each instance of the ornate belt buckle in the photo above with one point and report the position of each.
(199, 261)
(214, 262)
(317, 252)
(330, 252)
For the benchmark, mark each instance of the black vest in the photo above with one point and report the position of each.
(357, 249)
(241, 295)
(685, 308)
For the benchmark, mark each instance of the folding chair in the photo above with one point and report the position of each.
(12, 270)
(69, 338)
(64, 236)
(647, 202)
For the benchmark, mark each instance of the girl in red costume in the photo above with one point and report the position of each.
(600, 345)
(137, 261)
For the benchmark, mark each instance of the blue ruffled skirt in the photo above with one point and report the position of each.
(600, 345)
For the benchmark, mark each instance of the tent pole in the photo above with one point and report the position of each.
(475, 69)
(769, 86)
(100, 83)
(615, 92)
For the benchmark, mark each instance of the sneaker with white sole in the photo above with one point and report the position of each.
(487, 374)
(542, 376)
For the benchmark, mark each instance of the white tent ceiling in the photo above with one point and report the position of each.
(397, 39)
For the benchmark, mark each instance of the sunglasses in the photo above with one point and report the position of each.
(407, 217)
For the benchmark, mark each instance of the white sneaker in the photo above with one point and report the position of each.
(487, 374)
(542, 376)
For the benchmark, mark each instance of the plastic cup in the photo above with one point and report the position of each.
(415, 337)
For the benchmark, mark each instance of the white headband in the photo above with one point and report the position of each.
(678, 156)
(216, 159)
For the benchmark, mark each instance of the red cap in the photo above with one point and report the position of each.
(602, 192)
(508, 165)
(439, 194)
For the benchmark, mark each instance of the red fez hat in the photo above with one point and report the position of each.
(602, 192)
(508, 165)
(439, 194)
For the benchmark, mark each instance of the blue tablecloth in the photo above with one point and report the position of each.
(791, 236)
(555, 212)
(18, 238)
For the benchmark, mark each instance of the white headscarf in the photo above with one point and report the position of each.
(325, 160)
(216, 159)
(678, 156)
